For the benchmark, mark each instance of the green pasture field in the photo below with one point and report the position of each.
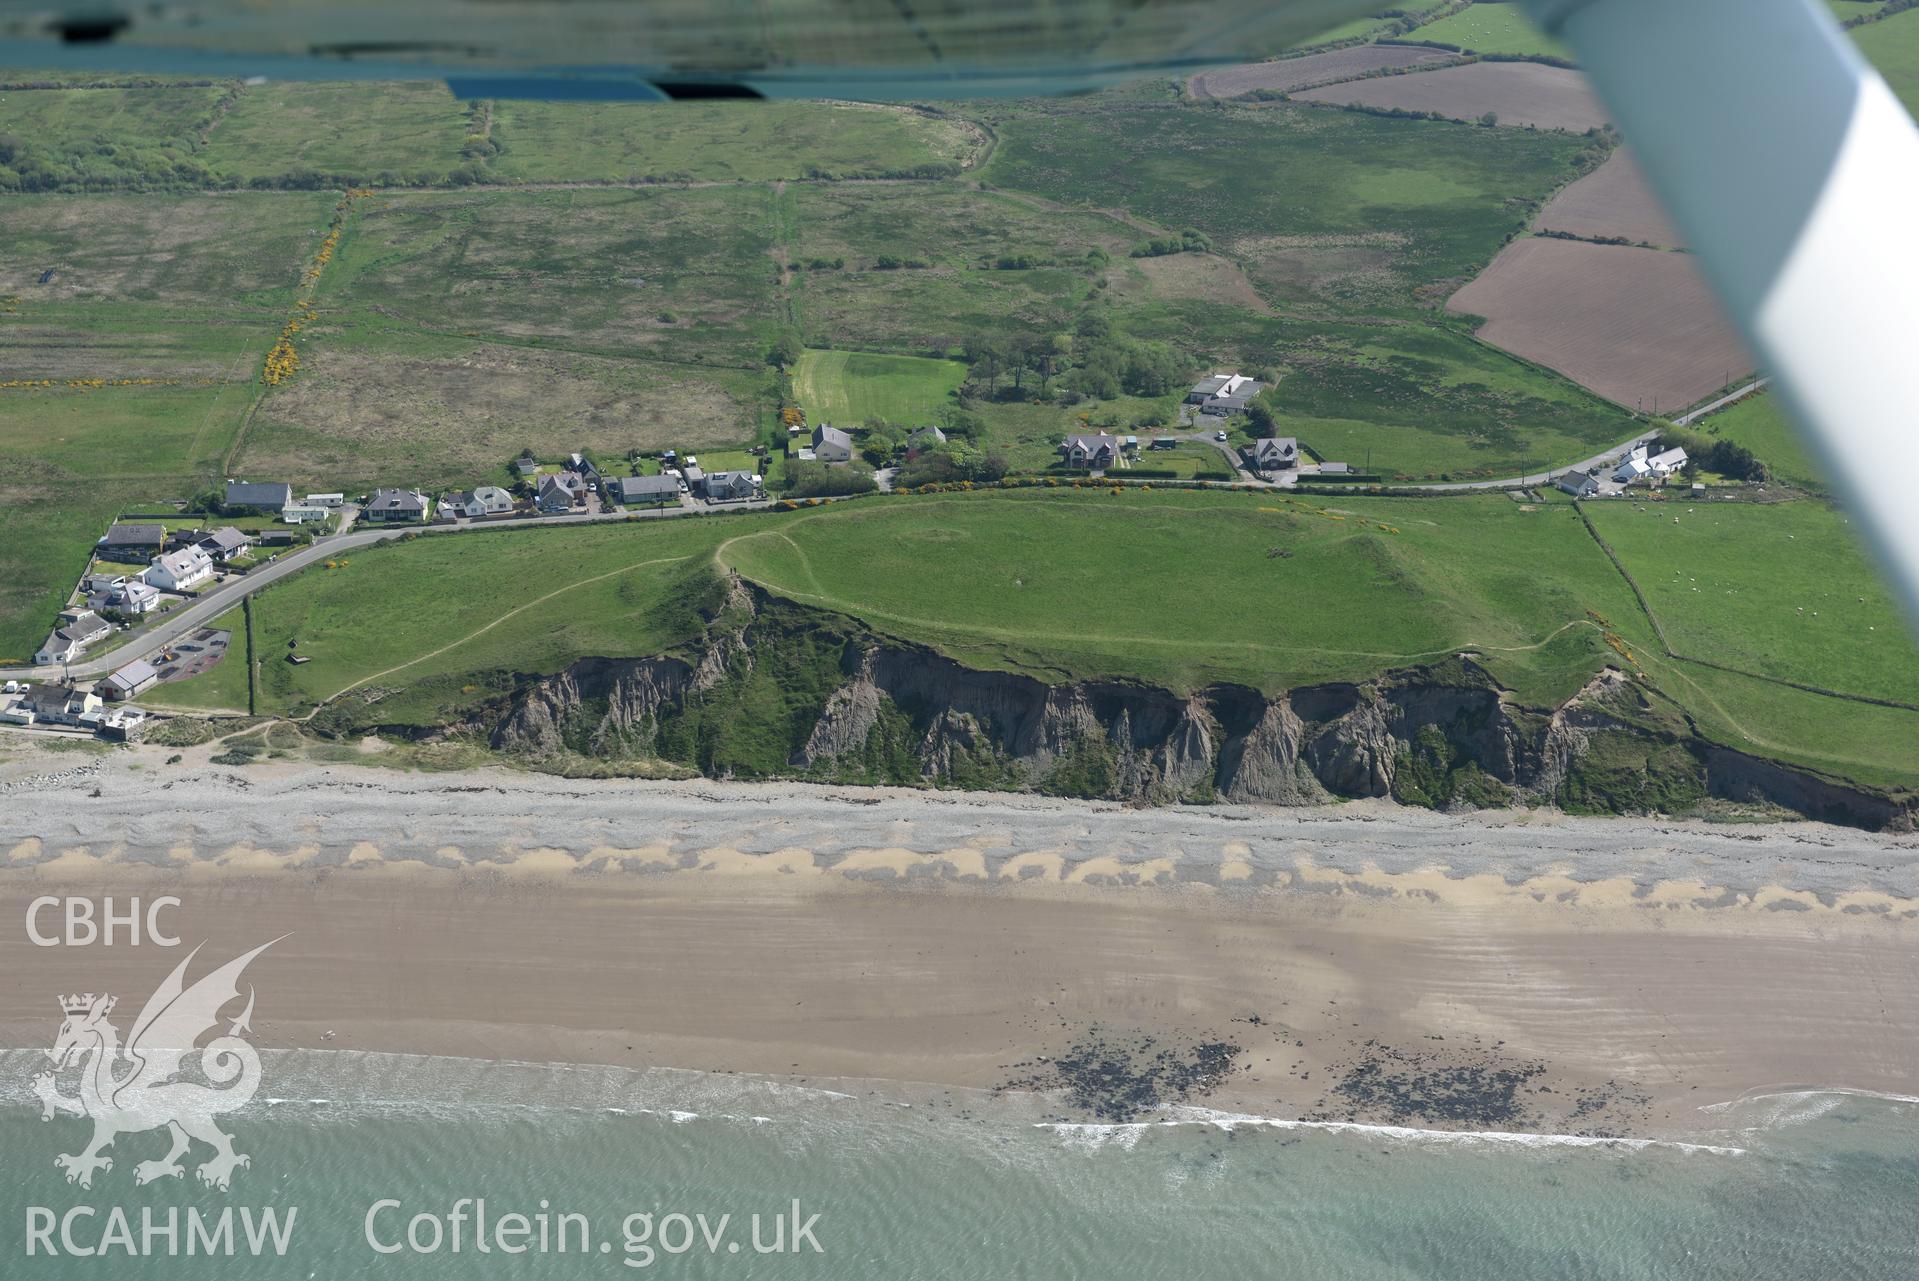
(1416, 202)
(1759, 423)
(998, 579)
(721, 142)
(1493, 28)
(852, 386)
(942, 223)
(317, 133)
(1781, 590)
(608, 590)
(1892, 45)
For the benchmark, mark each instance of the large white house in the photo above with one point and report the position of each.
(180, 571)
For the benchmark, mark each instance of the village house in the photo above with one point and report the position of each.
(118, 592)
(831, 445)
(731, 486)
(181, 570)
(223, 544)
(1579, 484)
(559, 492)
(486, 500)
(694, 478)
(583, 467)
(1642, 465)
(257, 496)
(76, 630)
(304, 514)
(1097, 452)
(130, 681)
(1275, 453)
(50, 704)
(131, 544)
(639, 491)
(925, 438)
(397, 506)
(1224, 394)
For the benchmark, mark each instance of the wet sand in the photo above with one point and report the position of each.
(1359, 962)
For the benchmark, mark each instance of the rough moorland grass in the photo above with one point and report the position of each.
(372, 406)
(721, 142)
(1781, 590)
(1493, 28)
(1422, 401)
(157, 286)
(1760, 424)
(685, 275)
(852, 386)
(73, 459)
(1445, 195)
(79, 139)
(408, 131)
(1892, 45)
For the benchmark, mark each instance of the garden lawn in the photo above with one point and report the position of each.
(852, 386)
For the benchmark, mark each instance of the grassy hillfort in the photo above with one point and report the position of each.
(1436, 260)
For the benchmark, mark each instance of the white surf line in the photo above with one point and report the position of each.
(1758, 1093)
(1127, 1133)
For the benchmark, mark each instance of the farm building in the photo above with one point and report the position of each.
(131, 544)
(304, 514)
(1224, 394)
(324, 500)
(257, 496)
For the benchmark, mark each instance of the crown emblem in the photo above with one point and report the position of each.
(81, 1004)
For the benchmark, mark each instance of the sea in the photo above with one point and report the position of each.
(383, 1165)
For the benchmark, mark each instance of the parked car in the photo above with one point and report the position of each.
(1220, 436)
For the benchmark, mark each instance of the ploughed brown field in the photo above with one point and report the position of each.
(1289, 74)
(1613, 200)
(1519, 93)
(1635, 325)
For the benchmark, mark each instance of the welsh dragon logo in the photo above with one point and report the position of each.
(136, 1087)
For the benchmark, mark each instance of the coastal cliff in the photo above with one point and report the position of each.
(774, 689)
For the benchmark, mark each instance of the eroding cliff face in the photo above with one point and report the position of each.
(784, 691)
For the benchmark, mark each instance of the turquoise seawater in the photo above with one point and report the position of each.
(959, 1186)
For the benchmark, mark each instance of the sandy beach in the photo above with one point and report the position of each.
(1361, 962)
